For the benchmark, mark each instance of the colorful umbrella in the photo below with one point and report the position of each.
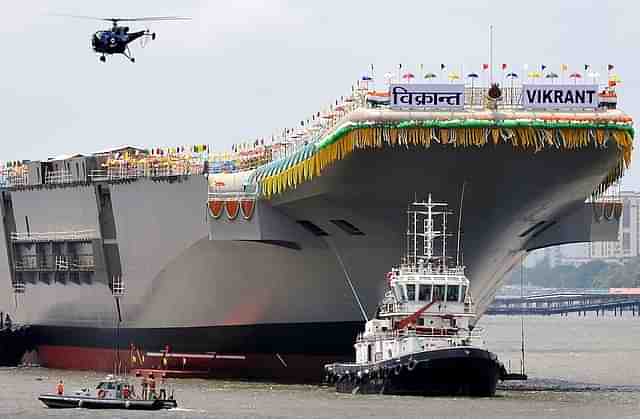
(551, 75)
(472, 75)
(615, 78)
(534, 74)
(512, 76)
(430, 76)
(453, 76)
(408, 76)
(367, 78)
(575, 77)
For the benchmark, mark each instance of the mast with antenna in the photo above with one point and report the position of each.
(490, 55)
(460, 224)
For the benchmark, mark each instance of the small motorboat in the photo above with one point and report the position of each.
(112, 393)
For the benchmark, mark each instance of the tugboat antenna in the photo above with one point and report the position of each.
(490, 55)
(460, 224)
(522, 314)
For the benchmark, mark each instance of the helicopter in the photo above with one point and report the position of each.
(116, 40)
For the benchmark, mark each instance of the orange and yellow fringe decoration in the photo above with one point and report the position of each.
(309, 163)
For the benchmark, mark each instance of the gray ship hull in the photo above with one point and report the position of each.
(196, 287)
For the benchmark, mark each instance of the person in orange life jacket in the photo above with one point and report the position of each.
(60, 388)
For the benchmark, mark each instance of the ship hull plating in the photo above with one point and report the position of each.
(179, 281)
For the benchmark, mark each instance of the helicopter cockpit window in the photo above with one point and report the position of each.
(99, 34)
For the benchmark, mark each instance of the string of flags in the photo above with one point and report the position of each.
(535, 71)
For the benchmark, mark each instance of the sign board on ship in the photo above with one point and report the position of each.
(425, 96)
(560, 96)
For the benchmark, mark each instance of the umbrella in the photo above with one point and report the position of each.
(367, 78)
(453, 76)
(408, 76)
(430, 76)
(615, 78)
(534, 74)
(575, 77)
(472, 75)
(551, 76)
(512, 76)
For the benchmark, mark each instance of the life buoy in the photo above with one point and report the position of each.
(412, 365)
(101, 394)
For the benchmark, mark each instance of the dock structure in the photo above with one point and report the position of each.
(563, 303)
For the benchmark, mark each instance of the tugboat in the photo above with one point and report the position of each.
(421, 341)
(111, 393)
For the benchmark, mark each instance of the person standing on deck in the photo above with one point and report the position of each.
(60, 388)
(152, 387)
(144, 387)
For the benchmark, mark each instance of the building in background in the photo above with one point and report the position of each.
(627, 246)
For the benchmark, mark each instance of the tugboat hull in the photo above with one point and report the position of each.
(464, 371)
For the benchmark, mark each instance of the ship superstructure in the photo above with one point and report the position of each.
(231, 258)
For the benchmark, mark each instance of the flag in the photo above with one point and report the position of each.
(503, 67)
(485, 66)
(564, 67)
(442, 66)
(609, 67)
(587, 67)
(542, 67)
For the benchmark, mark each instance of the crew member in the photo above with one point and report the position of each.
(144, 387)
(163, 390)
(125, 392)
(152, 387)
(60, 388)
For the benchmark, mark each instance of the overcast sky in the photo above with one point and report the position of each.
(245, 69)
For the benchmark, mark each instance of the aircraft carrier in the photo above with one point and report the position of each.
(265, 262)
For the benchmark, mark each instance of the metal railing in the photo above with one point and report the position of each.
(78, 235)
(55, 264)
(58, 177)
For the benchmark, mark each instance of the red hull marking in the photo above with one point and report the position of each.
(292, 367)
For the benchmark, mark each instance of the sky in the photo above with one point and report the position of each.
(241, 70)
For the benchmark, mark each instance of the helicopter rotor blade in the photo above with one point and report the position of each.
(104, 19)
(154, 18)
(127, 19)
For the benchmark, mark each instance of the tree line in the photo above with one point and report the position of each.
(594, 274)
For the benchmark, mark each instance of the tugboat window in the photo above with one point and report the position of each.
(438, 293)
(452, 293)
(424, 292)
(411, 292)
